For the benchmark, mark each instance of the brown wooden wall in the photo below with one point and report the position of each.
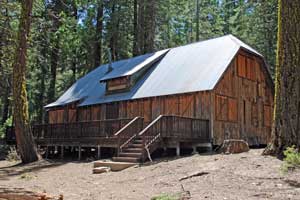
(243, 102)
(240, 106)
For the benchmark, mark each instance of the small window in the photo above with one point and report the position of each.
(246, 67)
(242, 66)
(118, 85)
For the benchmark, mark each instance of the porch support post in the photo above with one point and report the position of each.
(55, 149)
(98, 152)
(62, 152)
(47, 151)
(178, 149)
(194, 149)
(79, 152)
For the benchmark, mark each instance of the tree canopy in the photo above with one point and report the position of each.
(70, 38)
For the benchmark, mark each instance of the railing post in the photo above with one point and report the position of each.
(118, 145)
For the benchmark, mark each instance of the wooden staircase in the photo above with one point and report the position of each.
(131, 153)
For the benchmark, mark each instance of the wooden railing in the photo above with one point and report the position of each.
(87, 129)
(174, 127)
(128, 132)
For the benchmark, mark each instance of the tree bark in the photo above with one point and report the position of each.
(150, 9)
(53, 68)
(286, 127)
(197, 20)
(98, 36)
(25, 142)
(6, 104)
(135, 29)
(141, 26)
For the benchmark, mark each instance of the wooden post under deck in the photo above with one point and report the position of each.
(79, 152)
(62, 152)
(178, 149)
(47, 151)
(98, 152)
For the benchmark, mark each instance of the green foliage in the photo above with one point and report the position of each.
(12, 155)
(68, 30)
(292, 159)
(3, 127)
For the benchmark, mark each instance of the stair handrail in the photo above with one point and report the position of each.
(150, 125)
(126, 126)
(122, 131)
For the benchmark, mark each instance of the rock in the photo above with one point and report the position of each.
(114, 166)
(99, 170)
(234, 146)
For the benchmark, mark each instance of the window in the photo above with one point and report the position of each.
(118, 84)
(226, 108)
(246, 67)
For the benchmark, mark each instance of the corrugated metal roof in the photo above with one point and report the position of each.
(194, 67)
(133, 65)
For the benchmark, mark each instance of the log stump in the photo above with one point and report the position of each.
(233, 146)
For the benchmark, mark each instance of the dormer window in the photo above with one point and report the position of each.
(121, 84)
(125, 74)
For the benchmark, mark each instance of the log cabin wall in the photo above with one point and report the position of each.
(243, 102)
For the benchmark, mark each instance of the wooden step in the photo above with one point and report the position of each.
(135, 145)
(126, 159)
(128, 154)
(138, 141)
(99, 170)
(133, 150)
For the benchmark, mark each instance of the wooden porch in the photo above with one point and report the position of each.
(130, 137)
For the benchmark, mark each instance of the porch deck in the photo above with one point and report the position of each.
(115, 132)
(133, 139)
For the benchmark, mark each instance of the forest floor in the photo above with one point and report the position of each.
(238, 176)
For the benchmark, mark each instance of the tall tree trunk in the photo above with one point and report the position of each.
(54, 63)
(286, 127)
(98, 36)
(150, 11)
(141, 26)
(135, 29)
(6, 104)
(197, 20)
(42, 87)
(113, 42)
(25, 142)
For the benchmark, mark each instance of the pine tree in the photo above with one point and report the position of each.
(25, 143)
(286, 129)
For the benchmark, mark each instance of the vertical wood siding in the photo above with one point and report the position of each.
(240, 106)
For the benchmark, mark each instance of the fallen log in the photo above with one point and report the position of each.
(22, 194)
(193, 175)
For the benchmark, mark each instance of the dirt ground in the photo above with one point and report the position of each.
(239, 176)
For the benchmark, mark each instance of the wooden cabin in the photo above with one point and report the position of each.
(193, 95)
